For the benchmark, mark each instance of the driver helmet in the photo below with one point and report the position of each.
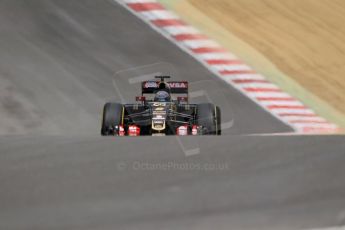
(162, 96)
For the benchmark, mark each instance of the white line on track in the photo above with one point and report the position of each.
(141, 78)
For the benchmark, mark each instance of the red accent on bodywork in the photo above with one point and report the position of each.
(140, 98)
(133, 130)
(182, 130)
(194, 130)
(122, 131)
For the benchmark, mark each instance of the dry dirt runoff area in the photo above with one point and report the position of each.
(302, 39)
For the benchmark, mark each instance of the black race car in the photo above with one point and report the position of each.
(162, 114)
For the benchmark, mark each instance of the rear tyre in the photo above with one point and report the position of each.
(209, 117)
(112, 116)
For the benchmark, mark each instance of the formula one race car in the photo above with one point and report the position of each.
(163, 114)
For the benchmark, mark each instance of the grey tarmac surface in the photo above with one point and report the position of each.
(235, 182)
(58, 60)
(57, 63)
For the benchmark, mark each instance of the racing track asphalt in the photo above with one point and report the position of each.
(57, 61)
(149, 183)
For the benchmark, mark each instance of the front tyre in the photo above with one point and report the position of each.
(209, 118)
(113, 114)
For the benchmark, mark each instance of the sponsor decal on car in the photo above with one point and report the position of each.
(150, 84)
(181, 85)
(176, 85)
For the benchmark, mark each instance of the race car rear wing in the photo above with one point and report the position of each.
(175, 87)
